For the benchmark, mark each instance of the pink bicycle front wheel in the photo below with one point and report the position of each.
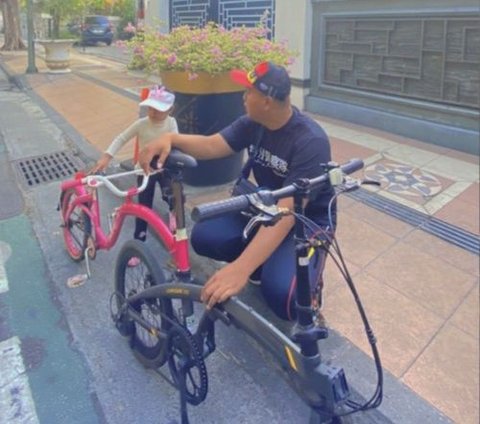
(77, 227)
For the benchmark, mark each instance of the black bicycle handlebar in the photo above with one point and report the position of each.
(212, 209)
(267, 197)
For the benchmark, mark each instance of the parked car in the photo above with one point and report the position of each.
(74, 27)
(96, 28)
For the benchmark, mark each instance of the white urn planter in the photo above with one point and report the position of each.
(57, 54)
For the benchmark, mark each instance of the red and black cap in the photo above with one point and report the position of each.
(270, 79)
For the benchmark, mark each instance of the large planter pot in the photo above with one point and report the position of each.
(205, 106)
(57, 54)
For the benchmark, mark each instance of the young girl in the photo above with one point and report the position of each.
(159, 103)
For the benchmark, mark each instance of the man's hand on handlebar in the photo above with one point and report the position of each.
(160, 147)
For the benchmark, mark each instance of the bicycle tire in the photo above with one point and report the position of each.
(149, 349)
(77, 226)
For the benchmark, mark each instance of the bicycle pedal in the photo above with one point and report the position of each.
(77, 280)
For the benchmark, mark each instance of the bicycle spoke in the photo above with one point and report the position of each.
(77, 226)
(133, 280)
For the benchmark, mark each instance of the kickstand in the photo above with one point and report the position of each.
(87, 261)
(182, 388)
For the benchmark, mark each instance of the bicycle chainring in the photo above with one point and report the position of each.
(184, 352)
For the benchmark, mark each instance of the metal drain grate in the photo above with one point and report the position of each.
(46, 168)
(441, 229)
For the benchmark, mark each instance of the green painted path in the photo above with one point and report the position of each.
(55, 371)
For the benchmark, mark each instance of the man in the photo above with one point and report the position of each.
(284, 145)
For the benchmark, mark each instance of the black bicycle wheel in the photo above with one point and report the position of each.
(77, 226)
(149, 347)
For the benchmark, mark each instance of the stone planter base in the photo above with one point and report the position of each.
(57, 54)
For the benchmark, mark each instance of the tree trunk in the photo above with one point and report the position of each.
(11, 24)
(55, 25)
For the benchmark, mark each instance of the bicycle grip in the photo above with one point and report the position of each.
(220, 207)
(351, 166)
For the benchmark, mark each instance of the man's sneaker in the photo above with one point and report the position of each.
(133, 261)
(254, 281)
(319, 320)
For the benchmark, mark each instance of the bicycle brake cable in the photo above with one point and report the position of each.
(339, 261)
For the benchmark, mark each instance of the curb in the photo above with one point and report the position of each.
(19, 80)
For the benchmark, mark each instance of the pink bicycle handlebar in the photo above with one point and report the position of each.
(96, 181)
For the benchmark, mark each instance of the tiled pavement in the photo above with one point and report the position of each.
(421, 292)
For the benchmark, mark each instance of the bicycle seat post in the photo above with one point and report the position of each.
(177, 208)
(178, 199)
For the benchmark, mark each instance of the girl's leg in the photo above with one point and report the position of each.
(145, 198)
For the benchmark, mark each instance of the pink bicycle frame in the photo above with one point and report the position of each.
(174, 239)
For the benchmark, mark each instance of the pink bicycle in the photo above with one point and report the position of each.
(83, 233)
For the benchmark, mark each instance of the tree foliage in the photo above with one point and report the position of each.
(60, 10)
(64, 9)
(11, 24)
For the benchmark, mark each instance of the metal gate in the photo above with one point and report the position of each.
(228, 13)
(402, 68)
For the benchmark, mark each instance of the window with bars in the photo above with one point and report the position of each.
(228, 13)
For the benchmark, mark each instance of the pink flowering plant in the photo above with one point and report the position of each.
(211, 49)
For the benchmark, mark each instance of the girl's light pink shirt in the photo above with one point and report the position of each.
(145, 130)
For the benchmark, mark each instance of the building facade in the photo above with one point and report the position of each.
(406, 66)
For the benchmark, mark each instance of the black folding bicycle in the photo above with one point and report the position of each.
(155, 311)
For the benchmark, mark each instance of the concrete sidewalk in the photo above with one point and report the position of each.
(412, 246)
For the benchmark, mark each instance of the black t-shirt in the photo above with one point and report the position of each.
(297, 150)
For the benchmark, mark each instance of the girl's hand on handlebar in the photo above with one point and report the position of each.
(227, 282)
(101, 164)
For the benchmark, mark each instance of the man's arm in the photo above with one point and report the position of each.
(232, 278)
(202, 146)
(199, 146)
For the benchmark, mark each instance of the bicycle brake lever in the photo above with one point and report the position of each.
(371, 182)
(351, 184)
(257, 219)
(270, 216)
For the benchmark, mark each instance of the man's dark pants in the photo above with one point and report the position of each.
(221, 239)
